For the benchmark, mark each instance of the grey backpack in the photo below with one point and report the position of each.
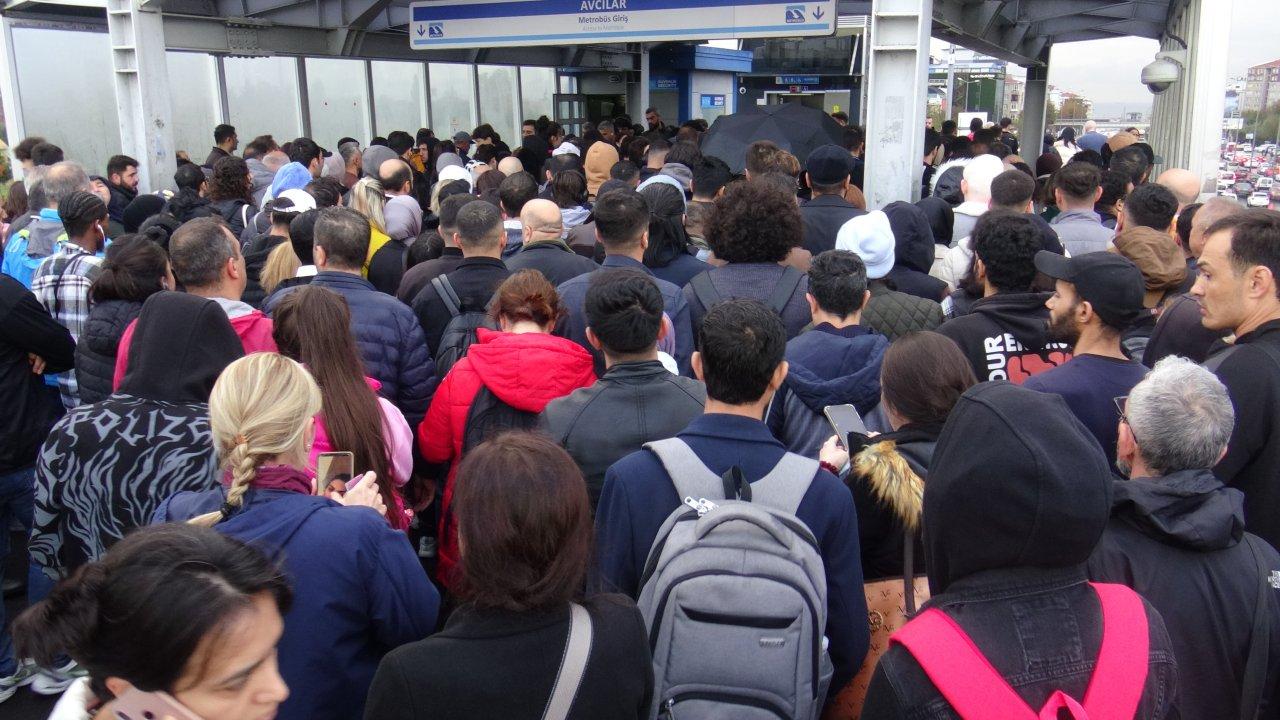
(735, 595)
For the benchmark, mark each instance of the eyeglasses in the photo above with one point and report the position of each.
(1120, 404)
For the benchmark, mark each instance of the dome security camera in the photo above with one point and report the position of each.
(1161, 74)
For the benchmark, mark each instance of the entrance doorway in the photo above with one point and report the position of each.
(811, 100)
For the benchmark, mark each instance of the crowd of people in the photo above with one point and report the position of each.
(633, 435)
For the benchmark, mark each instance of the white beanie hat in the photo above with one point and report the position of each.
(870, 237)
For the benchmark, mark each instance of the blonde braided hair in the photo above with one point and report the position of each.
(258, 410)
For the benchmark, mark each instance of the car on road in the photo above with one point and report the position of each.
(1243, 190)
(1265, 183)
(1260, 199)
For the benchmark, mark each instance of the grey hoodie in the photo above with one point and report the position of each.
(262, 179)
(43, 236)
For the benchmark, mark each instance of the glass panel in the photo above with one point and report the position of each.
(55, 66)
(791, 56)
(336, 97)
(195, 109)
(397, 92)
(262, 97)
(452, 99)
(537, 88)
(498, 100)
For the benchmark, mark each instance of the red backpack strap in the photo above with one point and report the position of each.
(1120, 674)
(964, 676)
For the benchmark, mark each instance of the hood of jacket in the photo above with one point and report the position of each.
(294, 176)
(180, 346)
(529, 370)
(941, 218)
(403, 215)
(827, 369)
(42, 236)
(1159, 258)
(1016, 481)
(1022, 315)
(601, 157)
(946, 182)
(893, 480)
(1188, 508)
(912, 235)
(260, 175)
(188, 204)
(106, 324)
(574, 216)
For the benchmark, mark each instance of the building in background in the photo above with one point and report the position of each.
(1261, 87)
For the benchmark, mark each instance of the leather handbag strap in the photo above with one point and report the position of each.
(1255, 668)
(573, 665)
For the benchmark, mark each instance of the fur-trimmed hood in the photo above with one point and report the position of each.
(895, 480)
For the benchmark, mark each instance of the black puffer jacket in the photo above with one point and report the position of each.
(96, 350)
(255, 261)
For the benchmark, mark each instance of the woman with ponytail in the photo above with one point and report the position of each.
(359, 589)
(177, 609)
(135, 269)
(313, 327)
(668, 254)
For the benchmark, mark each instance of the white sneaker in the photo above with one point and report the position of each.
(54, 681)
(24, 675)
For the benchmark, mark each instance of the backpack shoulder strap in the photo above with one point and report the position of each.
(1215, 361)
(573, 665)
(447, 294)
(786, 484)
(960, 671)
(1120, 673)
(785, 288)
(689, 474)
(705, 291)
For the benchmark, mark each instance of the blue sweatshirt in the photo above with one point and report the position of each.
(358, 592)
(638, 496)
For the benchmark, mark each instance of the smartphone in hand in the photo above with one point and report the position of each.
(844, 420)
(138, 705)
(333, 471)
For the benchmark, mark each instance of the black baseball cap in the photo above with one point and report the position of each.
(828, 165)
(1111, 283)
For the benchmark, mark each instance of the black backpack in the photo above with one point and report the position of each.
(709, 297)
(489, 416)
(461, 330)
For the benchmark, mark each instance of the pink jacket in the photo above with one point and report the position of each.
(254, 330)
(395, 431)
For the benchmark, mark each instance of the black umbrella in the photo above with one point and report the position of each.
(792, 126)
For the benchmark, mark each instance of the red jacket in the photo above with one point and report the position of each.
(526, 371)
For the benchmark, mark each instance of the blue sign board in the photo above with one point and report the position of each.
(664, 82)
(453, 24)
(797, 80)
(713, 101)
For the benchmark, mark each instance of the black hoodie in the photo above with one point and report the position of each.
(105, 468)
(1017, 497)
(913, 252)
(1177, 540)
(1006, 337)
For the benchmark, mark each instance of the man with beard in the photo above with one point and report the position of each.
(1096, 297)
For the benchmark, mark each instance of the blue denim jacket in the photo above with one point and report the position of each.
(1040, 628)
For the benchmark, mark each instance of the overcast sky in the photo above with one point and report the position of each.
(1106, 71)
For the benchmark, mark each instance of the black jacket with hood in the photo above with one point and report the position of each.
(106, 467)
(887, 483)
(913, 252)
(97, 346)
(1018, 496)
(30, 406)
(828, 366)
(255, 260)
(1006, 337)
(1179, 541)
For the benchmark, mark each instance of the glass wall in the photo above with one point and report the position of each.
(452, 99)
(537, 86)
(398, 101)
(262, 97)
(195, 105)
(498, 100)
(66, 96)
(337, 101)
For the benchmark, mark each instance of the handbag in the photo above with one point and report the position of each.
(890, 604)
(573, 665)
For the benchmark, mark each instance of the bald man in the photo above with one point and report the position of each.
(1179, 331)
(1091, 139)
(544, 247)
(1183, 184)
(510, 165)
